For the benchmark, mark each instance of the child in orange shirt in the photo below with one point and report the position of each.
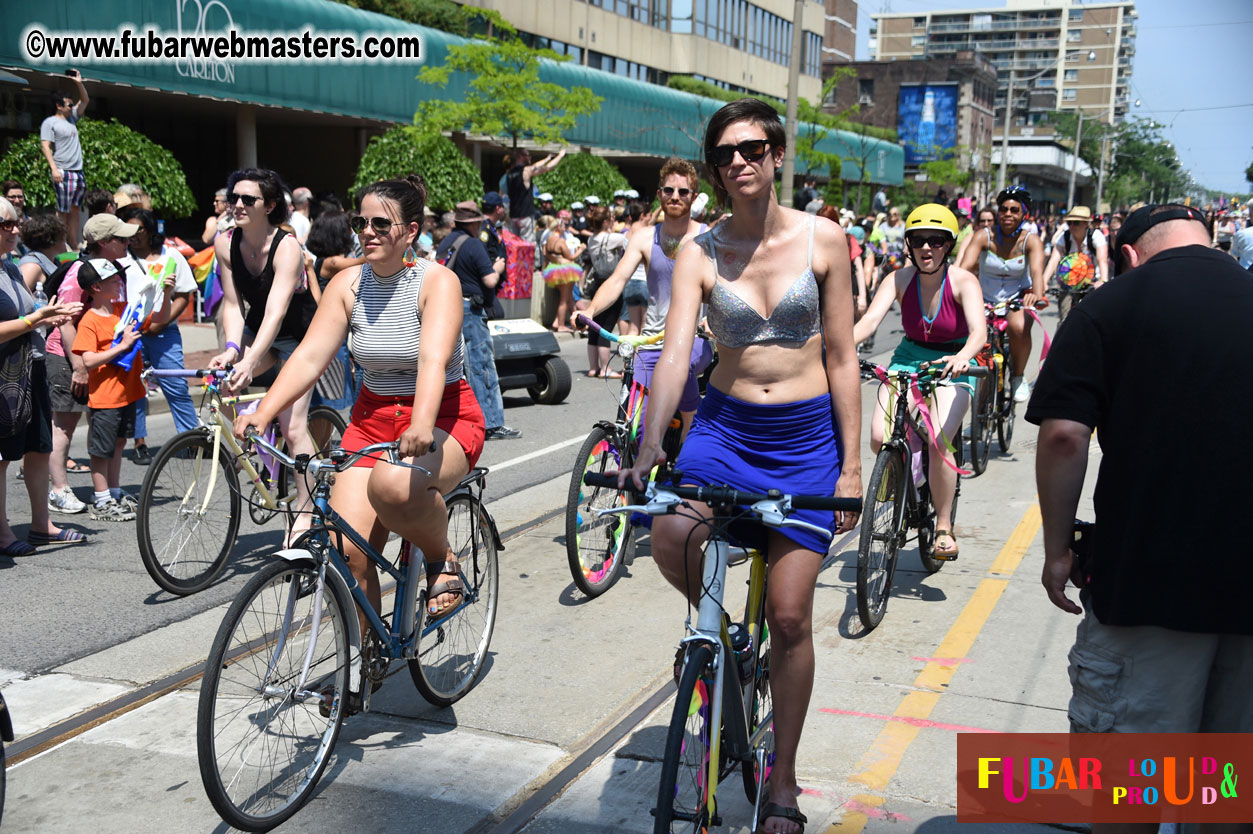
(112, 391)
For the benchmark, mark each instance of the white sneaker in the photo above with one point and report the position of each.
(1023, 392)
(64, 501)
(111, 511)
(128, 501)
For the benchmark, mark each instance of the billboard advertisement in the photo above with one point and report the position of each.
(926, 121)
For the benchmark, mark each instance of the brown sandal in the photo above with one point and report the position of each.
(451, 586)
(944, 555)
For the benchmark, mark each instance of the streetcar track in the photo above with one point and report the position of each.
(512, 815)
(62, 731)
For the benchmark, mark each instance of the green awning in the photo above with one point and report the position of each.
(636, 117)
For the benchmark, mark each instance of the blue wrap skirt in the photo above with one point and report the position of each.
(793, 447)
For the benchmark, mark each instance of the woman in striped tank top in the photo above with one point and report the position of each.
(386, 308)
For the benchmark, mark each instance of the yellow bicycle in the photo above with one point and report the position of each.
(189, 506)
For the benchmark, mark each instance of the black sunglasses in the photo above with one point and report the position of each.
(380, 225)
(668, 191)
(751, 150)
(934, 241)
(9, 225)
(249, 199)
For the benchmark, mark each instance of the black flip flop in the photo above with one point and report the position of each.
(773, 809)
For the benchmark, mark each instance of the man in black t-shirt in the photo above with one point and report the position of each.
(1153, 362)
(519, 182)
(466, 256)
(805, 196)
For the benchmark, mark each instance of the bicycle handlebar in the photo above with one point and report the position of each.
(216, 373)
(1011, 305)
(725, 495)
(634, 341)
(337, 459)
(869, 370)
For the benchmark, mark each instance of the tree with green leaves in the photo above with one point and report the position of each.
(580, 175)
(505, 95)
(809, 134)
(450, 177)
(1248, 174)
(113, 154)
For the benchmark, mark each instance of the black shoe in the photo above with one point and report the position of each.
(140, 455)
(503, 433)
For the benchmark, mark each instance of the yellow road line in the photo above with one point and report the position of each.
(879, 764)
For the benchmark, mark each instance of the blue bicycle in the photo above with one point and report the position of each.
(290, 660)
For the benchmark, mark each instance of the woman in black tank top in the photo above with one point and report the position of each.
(262, 265)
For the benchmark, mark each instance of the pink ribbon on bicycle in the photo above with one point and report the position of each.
(917, 400)
(1048, 341)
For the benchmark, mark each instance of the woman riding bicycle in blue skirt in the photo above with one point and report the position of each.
(782, 411)
(942, 315)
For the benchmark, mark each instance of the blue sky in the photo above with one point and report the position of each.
(1191, 55)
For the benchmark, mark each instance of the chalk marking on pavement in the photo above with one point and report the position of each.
(501, 467)
(917, 722)
(879, 764)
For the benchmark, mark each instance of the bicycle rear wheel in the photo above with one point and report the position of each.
(452, 651)
(760, 712)
(596, 546)
(185, 531)
(265, 729)
(880, 542)
(687, 780)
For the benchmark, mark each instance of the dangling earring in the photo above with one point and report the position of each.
(410, 257)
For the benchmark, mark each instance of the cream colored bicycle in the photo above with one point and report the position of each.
(189, 507)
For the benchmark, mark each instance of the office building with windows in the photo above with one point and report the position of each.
(740, 45)
(1057, 55)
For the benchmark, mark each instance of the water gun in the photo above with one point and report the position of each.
(140, 307)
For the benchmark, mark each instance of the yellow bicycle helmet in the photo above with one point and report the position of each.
(932, 216)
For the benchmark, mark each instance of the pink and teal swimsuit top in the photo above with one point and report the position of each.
(948, 324)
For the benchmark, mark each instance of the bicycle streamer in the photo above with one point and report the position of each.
(918, 401)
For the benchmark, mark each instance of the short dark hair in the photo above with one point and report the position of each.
(329, 235)
(146, 220)
(40, 231)
(97, 201)
(635, 210)
(57, 98)
(742, 110)
(9, 185)
(272, 191)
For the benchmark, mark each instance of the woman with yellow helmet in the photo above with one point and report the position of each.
(942, 315)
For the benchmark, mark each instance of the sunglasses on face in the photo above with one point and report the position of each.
(751, 150)
(934, 241)
(380, 225)
(8, 225)
(249, 199)
(668, 191)
(1008, 209)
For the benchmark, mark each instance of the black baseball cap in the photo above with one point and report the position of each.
(1145, 218)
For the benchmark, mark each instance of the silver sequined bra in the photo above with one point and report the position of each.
(796, 318)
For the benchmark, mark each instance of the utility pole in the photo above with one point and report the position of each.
(1009, 109)
(1100, 179)
(793, 93)
(1074, 162)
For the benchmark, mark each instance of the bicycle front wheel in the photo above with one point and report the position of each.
(188, 518)
(1006, 407)
(326, 430)
(267, 722)
(452, 651)
(880, 535)
(688, 782)
(982, 421)
(596, 545)
(760, 714)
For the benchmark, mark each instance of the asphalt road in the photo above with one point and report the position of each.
(564, 731)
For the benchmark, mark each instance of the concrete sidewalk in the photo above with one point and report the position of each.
(200, 344)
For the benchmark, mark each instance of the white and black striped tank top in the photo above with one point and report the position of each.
(386, 329)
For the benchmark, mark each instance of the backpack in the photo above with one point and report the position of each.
(1087, 241)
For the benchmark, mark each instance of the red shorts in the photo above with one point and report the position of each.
(378, 419)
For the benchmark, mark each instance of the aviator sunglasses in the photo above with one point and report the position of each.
(752, 150)
(250, 200)
(380, 225)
